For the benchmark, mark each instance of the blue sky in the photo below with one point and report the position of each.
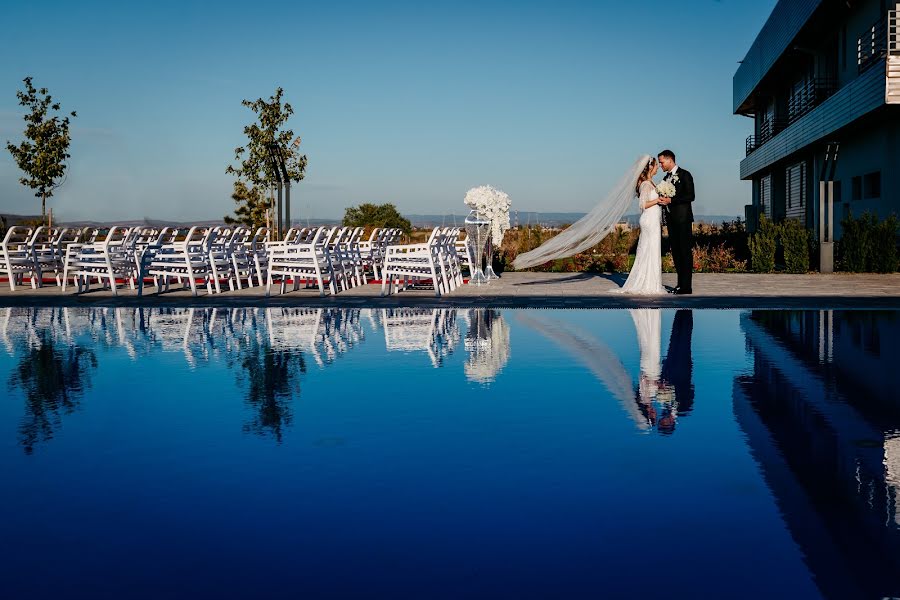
(404, 102)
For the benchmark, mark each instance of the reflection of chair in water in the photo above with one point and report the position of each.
(295, 329)
(324, 333)
(432, 331)
(487, 342)
(181, 330)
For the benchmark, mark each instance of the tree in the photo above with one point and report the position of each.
(373, 215)
(53, 378)
(264, 137)
(43, 153)
(252, 205)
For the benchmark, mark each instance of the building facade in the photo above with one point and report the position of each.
(820, 72)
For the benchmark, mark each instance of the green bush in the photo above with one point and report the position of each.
(795, 241)
(856, 243)
(762, 246)
(884, 245)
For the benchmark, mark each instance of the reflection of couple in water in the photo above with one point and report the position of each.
(664, 389)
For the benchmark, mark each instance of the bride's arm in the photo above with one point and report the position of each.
(647, 199)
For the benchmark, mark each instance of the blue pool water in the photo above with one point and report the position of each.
(176, 453)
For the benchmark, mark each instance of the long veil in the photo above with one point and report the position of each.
(591, 228)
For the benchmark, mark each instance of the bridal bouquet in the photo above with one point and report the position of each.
(666, 188)
(492, 204)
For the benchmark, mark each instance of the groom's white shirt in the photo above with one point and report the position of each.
(673, 171)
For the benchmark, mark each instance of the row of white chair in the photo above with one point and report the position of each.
(335, 258)
(437, 260)
(35, 252)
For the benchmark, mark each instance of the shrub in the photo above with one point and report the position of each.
(795, 240)
(668, 265)
(884, 245)
(762, 246)
(717, 259)
(856, 243)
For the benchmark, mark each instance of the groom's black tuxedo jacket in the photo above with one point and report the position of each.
(680, 210)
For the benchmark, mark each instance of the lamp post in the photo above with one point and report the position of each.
(826, 209)
(283, 183)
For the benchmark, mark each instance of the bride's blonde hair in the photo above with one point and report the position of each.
(644, 176)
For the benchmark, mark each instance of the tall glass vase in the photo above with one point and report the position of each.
(478, 232)
(489, 269)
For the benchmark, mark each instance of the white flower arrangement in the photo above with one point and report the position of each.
(666, 189)
(492, 204)
(488, 356)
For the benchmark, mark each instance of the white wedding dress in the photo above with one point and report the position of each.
(645, 277)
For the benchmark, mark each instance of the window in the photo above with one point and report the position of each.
(765, 196)
(872, 185)
(795, 189)
(856, 191)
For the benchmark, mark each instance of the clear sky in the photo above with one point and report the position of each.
(404, 102)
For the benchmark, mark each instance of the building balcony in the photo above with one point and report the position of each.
(872, 46)
(817, 115)
(768, 129)
(804, 100)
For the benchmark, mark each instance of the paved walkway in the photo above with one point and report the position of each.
(538, 290)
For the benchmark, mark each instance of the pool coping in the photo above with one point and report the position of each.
(101, 300)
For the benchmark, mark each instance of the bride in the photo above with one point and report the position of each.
(646, 274)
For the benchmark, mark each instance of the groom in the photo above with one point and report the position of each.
(680, 219)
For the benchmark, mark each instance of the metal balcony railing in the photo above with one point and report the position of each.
(810, 95)
(893, 33)
(872, 45)
(768, 129)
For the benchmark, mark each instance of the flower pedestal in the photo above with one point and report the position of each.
(478, 233)
(489, 270)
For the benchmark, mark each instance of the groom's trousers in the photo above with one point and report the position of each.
(681, 238)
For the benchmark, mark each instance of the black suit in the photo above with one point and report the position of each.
(678, 366)
(680, 219)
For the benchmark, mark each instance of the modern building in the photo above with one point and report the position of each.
(820, 72)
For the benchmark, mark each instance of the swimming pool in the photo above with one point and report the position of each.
(260, 452)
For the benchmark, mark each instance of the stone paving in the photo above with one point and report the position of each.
(537, 290)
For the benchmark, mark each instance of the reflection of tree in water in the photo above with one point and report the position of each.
(53, 379)
(272, 379)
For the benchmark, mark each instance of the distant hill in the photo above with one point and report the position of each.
(548, 219)
(542, 218)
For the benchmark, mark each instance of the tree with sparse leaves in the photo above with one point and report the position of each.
(264, 136)
(252, 206)
(43, 153)
(376, 215)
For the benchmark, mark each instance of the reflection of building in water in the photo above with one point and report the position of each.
(487, 342)
(821, 414)
(433, 331)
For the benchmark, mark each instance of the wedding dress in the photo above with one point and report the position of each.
(592, 227)
(646, 273)
(648, 325)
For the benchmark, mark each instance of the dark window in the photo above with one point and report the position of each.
(795, 185)
(872, 187)
(765, 196)
(844, 48)
(856, 192)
